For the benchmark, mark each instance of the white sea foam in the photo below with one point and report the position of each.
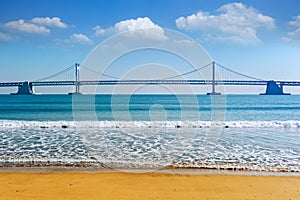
(246, 145)
(148, 124)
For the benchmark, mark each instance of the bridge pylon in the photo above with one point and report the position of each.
(213, 83)
(77, 83)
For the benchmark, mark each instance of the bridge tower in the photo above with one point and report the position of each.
(213, 82)
(77, 83)
(77, 86)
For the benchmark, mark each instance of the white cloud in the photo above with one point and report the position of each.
(37, 25)
(295, 22)
(79, 38)
(4, 37)
(295, 33)
(98, 31)
(294, 36)
(134, 24)
(233, 22)
(140, 27)
(25, 27)
(50, 22)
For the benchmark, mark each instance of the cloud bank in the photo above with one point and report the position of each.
(50, 22)
(37, 26)
(4, 37)
(294, 36)
(141, 27)
(79, 38)
(233, 22)
(21, 26)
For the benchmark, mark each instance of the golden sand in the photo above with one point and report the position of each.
(117, 185)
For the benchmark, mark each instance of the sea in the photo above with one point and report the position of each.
(218, 132)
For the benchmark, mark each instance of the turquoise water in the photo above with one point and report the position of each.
(246, 132)
(180, 107)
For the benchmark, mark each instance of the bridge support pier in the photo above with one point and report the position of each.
(274, 89)
(26, 88)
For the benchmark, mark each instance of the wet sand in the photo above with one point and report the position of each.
(122, 185)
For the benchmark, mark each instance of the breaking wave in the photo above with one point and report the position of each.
(148, 124)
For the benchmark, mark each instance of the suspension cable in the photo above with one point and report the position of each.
(56, 74)
(240, 74)
(186, 73)
(118, 78)
(102, 74)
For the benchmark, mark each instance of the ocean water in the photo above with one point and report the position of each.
(240, 132)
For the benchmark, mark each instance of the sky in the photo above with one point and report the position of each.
(254, 37)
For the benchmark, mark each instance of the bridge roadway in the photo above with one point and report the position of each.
(150, 82)
(272, 87)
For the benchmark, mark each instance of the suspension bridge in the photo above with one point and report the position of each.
(219, 75)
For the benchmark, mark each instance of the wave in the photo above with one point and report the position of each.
(13, 124)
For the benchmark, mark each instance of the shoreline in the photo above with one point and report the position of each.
(168, 170)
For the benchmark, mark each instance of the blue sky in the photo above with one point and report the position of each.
(259, 38)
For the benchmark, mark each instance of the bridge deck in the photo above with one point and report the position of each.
(150, 82)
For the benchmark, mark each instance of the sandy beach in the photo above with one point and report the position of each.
(121, 185)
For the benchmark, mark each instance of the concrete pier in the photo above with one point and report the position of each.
(274, 89)
(25, 89)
